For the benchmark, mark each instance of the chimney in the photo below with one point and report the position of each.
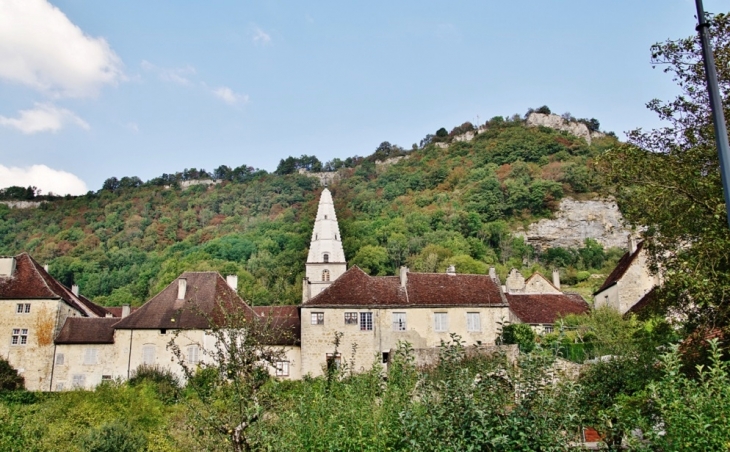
(403, 277)
(632, 244)
(182, 284)
(125, 310)
(492, 272)
(75, 289)
(451, 270)
(556, 278)
(7, 266)
(45, 267)
(306, 290)
(232, 281)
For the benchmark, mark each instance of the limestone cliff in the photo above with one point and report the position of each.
(576, 221)
(559, 123)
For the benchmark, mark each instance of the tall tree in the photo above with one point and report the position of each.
(669, 180)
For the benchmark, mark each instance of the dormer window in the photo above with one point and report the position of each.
(325, 275)
(325, 217)
(326, 258)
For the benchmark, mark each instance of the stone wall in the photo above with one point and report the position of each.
(208, 182)
(576, 221)
(326, 178)
(428, 357)
(23, 204)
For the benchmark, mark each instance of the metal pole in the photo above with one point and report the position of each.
(718, 116)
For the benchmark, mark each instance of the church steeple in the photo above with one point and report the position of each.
(326, 260)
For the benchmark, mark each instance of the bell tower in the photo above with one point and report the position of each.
(326, 259)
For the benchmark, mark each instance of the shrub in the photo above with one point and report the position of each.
(520, 334)
(114, 437)
(164, 381)
(9, 378)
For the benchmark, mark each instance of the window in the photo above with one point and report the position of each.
(318, 318)
(163, 330)
(325, 275)
(192, 354)
(148, 354)
(473, 322)
(334, 361)
(325, 217)
(79, 380)
(399, 321)
(282, 368)
(106, 378)
(386, 357)
(90, 355)
(326, 258)
(20, 336)
(366, 321)
(22, 308)
(59, 386)
(440, 321)
(59, 359)
(351, 318)
(547, 328)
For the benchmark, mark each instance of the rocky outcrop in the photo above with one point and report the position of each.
(559, 123)
(576, 221)
(207, 182)
(22, 204)
(325, 177)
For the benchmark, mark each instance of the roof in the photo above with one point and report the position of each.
(644, 303)
(116, 311)
(546, 308)
(207, 298)
(356, 288)
(537, 275)
(326, 237)
(31, 281)
(283, 322)
(84, 330)
(623, 264)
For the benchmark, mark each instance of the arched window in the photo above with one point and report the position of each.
(325, 275)
(326, 258)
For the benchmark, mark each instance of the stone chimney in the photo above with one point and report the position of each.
(492, 272)
(75, 289)
(125, 310)
(403, 277)
(451, 270)
(556, 278)
(632, 244)
(45, 267)
(306, 290)
(232, 281)
(7, 266)
(182, 285)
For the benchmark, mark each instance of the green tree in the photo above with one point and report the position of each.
(669, 180)
(372, 260)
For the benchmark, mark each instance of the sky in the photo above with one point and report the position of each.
(96, 89)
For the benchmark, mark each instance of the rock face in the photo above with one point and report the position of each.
(558, 123)
(576, 221)
(22, 204)
(326, 178)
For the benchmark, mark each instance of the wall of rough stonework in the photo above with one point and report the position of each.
(576, 221)
(558, 123)
(636, 282)
(22, 204)
(70, 361)
(317, 340)
(428, 357)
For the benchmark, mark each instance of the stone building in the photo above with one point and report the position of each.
(629, 282)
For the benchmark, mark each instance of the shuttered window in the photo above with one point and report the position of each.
(473, 322)
(148, 354)
(440, 321)
(193, 354)
(90, 356)
(79, 381)
(59, 359)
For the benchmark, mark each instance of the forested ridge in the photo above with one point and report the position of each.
(444, 202)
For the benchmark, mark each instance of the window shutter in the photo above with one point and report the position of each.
(148, 354)
(59, 359)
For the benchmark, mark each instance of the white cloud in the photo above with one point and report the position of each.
(174, 75)
(260, 36)
(45, 178)
(228, 96)
(41, 48)
(43, 118)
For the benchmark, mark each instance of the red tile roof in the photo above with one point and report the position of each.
(84, 330)
(31, 281)
(207, 298)
(545, 308)
(356, 288)
(623, 264)
(282, 324)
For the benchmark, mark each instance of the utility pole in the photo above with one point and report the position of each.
(718, 115)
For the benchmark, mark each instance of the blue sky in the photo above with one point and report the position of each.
(94, 89)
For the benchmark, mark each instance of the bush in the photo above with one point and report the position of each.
(9, 378)
(114, 437)
(520, 334)
(165, 382)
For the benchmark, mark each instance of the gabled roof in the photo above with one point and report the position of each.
(623, 264)
(207, 296)
(31, 281)
(83, 330)
(355, 288)
(282, 322)
(545, 308)
(536, 276)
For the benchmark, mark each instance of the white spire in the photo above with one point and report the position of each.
(326, 245)
(326, 259)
